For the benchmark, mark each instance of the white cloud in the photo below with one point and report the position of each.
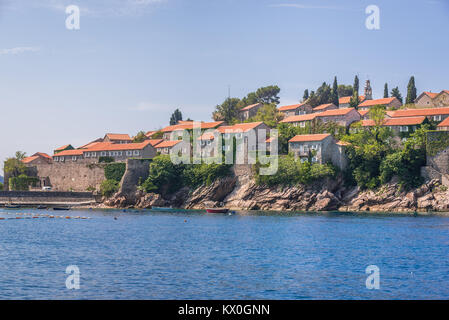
(18, 50)
(95, 8)
(304, 6)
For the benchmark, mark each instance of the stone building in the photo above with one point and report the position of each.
(37, 158)
(437, 150)
(296, 109)
(434, 114)
(318, 148)
(325, 107)
(389, 103)
(433, 100)
(249, 111)
(344, 102)
(343, 117)
(399, 125)
(117, 138)
(187, 125)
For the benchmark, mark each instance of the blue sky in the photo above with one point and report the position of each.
(134, 61)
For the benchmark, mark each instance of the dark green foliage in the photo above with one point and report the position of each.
(105, 159)
(355, 101)
(334, 94)
(345, 91)
(411, 91)
(22, 182)
(356, 85)
(175, 117)
(140, 137)
(227, 111)
(386, 90)
(115, 171)
(109, 187)
(396, 93)
(322, 95)
(306, 95)
(291, 172)
(166, 178)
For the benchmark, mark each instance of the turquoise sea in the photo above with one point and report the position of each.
(193, 255)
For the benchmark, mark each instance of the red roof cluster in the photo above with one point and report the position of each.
(309, 137)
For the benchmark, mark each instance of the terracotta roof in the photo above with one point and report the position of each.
(150, 133)
(347, 99)
(208, 135)
(342, 143)
(420, 112)
(63, 147)
(444, 123)
(290, 107)
(29, 159)
(323, 106)
(91, 143)
(75, 152)
(118, 136)
(239, 127)
(409, 121)
(167, 144)
(189, 125)
(363, 112)
(383, 101)
(155, 142)
(42, 155)
(335, 112)
(250, 107)
(431, 94)
(309, 137)
(107, 146)
(301, 117)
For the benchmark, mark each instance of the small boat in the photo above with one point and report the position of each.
(41, 207)
(12, 206)
(168, 209)
(61, 208)
(217, 210)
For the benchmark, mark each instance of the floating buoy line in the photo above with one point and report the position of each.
(25, 215)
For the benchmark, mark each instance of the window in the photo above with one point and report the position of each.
(129, 153)
(87, 154)
(136, 152)
(56, 159)
(302, 124)
(120, 153)
(403, 129)
(74, 158)
(93, 154)
(61, 159)
(437, 118)
(238, 135)
(209, 142)
(103, 153)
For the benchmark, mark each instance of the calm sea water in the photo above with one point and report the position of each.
(188, 255)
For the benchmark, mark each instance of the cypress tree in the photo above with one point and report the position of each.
(335, 92)
(411, 91)
(306, 95)
(356, 84)
(386, 90)
(396, 93)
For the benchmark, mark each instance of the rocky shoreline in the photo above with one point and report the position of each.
(240, 192)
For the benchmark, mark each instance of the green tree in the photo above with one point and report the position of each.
(109, 188)
(356, 85)
(386, 90)
(411, 91)
(268, 95)
(164, 176)
(268, 114)
(305, 96)
(334, 94)
(345, 90)
(355, 101)
(227, 111)
(14, 165)
(175, 117)
(396, 93)
(140, 137)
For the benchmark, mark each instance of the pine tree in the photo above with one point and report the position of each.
(306, 95)
(411, 91)
(175, 117)
(386, 90)
(355, 101)
(335, 92)
(396, 93)
(356, 85)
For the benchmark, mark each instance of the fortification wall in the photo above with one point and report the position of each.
(136, 171)
(44, 197)
(71, 176)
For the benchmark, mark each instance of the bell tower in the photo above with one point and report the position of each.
(368, 91)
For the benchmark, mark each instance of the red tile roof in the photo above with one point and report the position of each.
(239, 127)
(323, 106)
(409, 121)
(75, 152)
(42, 155)
(309, 137)
(29, 159)
(107, 146)
(363, 112)
(420, 112)
(118, 136)
(189, 125)
(250, 106)
(167, 144)
(150, 133)
(444, 123)
(347, 99)
(383, 101)
(155, 142)
(63, 147)
(301, 117)
(290, 107)
(335, 112)
(431, 94)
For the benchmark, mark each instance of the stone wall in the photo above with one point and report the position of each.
(71, 176)
(44, 197)
(136, 171)
(437, 157)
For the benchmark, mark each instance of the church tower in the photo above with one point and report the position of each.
(368, 91)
